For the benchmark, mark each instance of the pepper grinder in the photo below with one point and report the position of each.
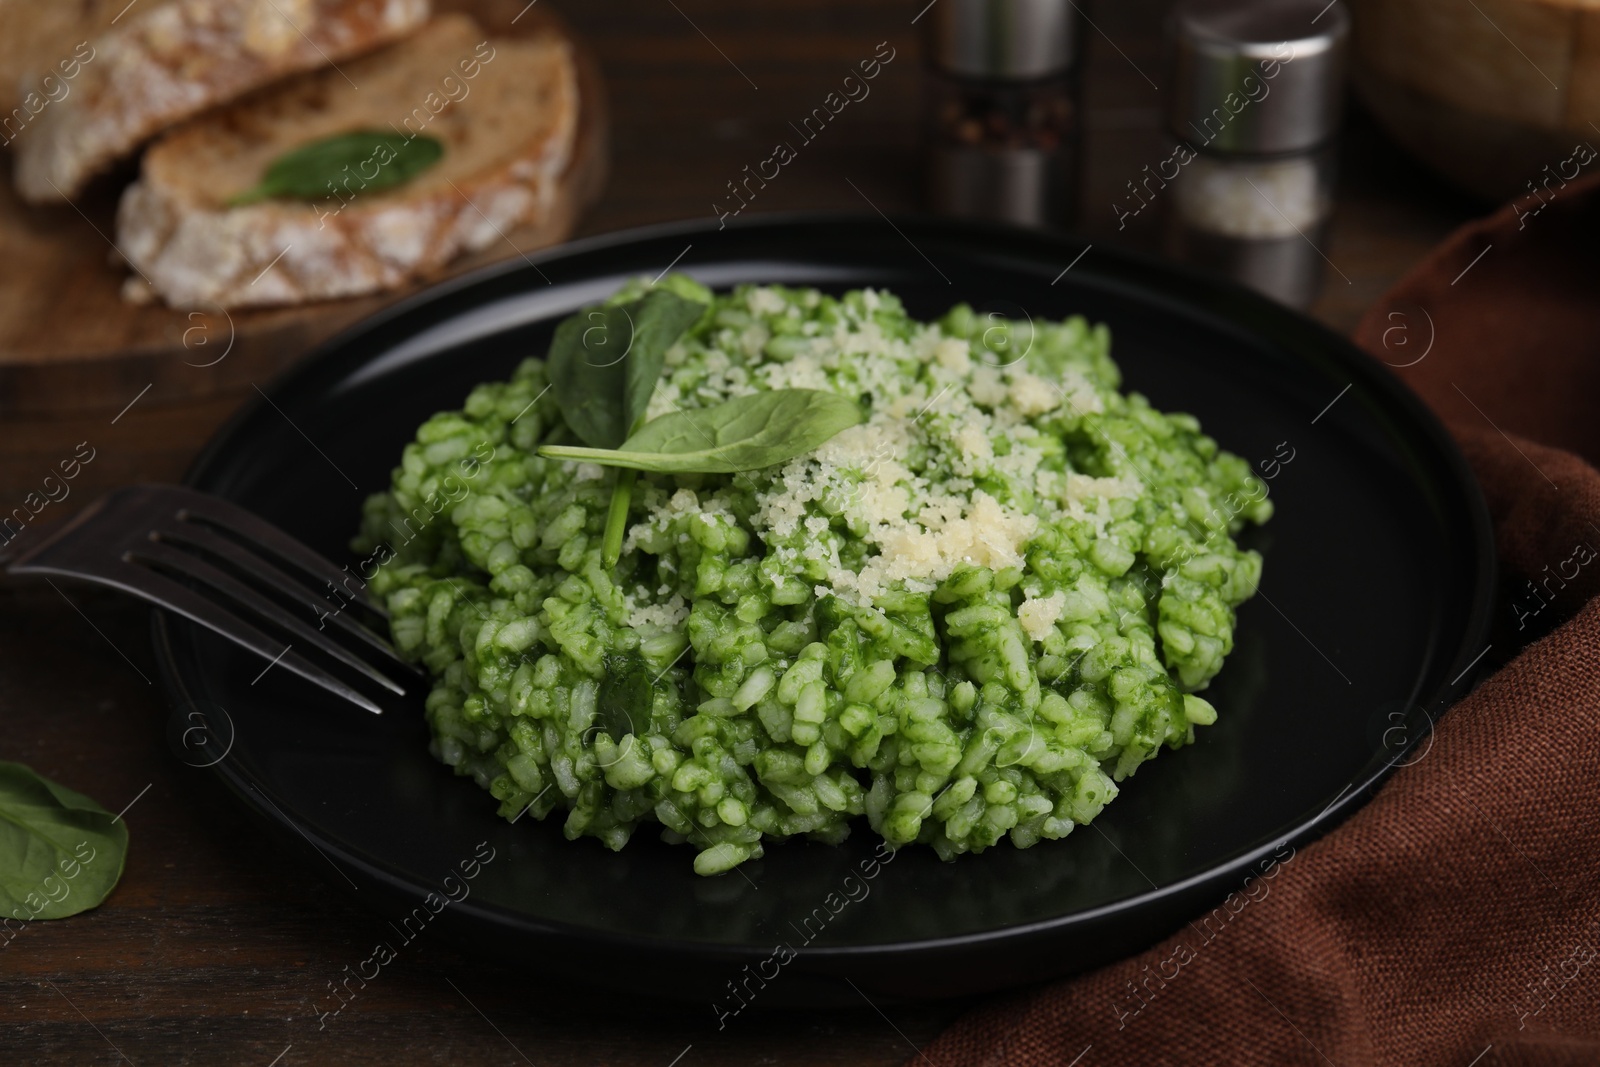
(1256, 96)
(1002, 110)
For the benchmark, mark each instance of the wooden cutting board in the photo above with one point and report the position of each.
(72, 350)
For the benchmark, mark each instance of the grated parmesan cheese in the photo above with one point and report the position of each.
(987, 535)
(1039, 616)
(954, 354)
(764, 300)
(987, 388)
(1083, 487)
(900, 485)
(667, 616)
(1032, 395)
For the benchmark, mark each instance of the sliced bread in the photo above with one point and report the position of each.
(36, 38)
(171, 61)
(505, 111)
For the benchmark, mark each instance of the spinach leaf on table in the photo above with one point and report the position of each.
(60, 852)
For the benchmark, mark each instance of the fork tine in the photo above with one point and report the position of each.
(186, 602)
(194, 567)
(203, 537)
(265, 537)
(174, 596)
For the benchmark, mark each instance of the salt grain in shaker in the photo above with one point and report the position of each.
(1002, 113)
(1253, 110)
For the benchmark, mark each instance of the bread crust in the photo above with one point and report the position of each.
(195, 253)
(169, 63)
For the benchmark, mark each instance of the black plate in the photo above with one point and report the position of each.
(1379, 566)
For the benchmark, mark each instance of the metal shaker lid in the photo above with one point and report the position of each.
(1257, 75)
(1001, 39)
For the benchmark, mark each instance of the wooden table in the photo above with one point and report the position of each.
(217, 946)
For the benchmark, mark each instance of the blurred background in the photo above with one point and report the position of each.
(1427, 112)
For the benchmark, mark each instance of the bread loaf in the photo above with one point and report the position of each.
(505, 111)
(167, 62)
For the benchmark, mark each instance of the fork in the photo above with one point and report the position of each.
(142, 539)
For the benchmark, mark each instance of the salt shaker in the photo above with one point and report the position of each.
(1256, 93)
(1002, 110)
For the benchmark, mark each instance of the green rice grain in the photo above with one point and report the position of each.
(967, 619)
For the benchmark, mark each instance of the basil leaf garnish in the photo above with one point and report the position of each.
(345, 164)
(626, 696)
(745, 433)
(604, 362)
(617, 517)
(60, 852)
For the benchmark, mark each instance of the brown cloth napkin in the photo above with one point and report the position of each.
(1456, 918)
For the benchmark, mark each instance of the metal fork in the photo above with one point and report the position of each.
(137, 539)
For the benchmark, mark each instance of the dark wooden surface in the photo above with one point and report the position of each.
(217, 947)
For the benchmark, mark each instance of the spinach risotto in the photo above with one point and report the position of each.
(969, 614)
